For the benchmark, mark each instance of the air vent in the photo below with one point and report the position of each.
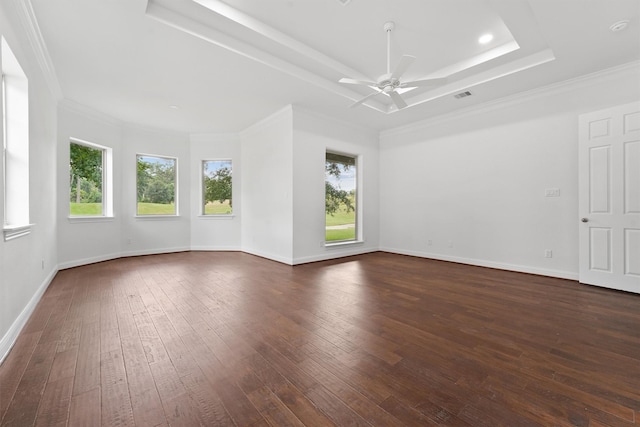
(344, 2)
(462, 94)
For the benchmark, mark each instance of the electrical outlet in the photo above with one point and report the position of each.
(429, 242)
(548, 253)
(552, 192)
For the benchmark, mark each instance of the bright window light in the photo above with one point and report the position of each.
(15, 135)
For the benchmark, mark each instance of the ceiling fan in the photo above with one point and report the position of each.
(390, 82)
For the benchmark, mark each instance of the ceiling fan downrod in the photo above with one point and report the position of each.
(388, 27)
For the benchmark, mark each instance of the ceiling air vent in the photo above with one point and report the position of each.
(344, 2)
(462, 94)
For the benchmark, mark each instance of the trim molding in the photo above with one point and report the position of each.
(109, 257)
(216, 249)
(570, 275)
(13, 232)
(515, 99)
(39, 47)
(209, 137)
(333, 255)
(283, 113)
(71, 106)
(272, 257)
(9, 339)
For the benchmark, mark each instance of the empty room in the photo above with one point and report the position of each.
(320, 213)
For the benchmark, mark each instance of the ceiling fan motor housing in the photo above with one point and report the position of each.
(389, 83)
(386, 83)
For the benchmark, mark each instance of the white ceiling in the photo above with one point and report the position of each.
(227, 64)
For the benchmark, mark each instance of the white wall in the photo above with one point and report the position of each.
(28, 263)
(313, 135)
(267, 187)
(213, 232)
(151, 234)
(82, 241)
(470, 187)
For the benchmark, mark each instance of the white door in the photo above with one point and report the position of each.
(609, 199)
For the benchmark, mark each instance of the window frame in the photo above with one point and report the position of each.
(15, 144)
(202, 190)
(107, 180)
(175, 188)
(358, 202)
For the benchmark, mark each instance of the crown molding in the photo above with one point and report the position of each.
(210, 137)
(34, 35)
(304, 111)
(161, 132)
(88, 112)
(516, 99)
(284, 112)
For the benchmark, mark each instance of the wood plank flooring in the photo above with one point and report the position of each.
(202, 338)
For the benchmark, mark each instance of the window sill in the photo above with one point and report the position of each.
(82, 219)
(15, 231)
(217, 217)
(342, 244)
(157, 217)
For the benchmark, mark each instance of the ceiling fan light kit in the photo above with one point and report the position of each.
(390, 82)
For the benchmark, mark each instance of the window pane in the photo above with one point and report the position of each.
(15, 136)
(85, 180)
(217, 187)
(340, 197)
(156, 185)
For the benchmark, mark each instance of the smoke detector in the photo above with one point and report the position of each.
(344, 2)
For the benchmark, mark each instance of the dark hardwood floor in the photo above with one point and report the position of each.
(201, 338)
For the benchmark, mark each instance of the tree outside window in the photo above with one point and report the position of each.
(217, 187)
(156, 185)
(85, 180)
(340, 197)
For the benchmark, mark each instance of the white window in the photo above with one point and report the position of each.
(15, 138)
(156, 185)
(89, 179)
(341, 206)
(217, 197)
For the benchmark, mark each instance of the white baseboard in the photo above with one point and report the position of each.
(333, 255)
(9, 339)
(216, 248)
(155, 251)
(86, 261)
(268, 255)
(109, 257)
(484, 263)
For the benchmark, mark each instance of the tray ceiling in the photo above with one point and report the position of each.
(226, 64)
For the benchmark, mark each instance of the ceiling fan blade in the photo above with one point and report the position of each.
(402, 66)
(425, 82)
(361, 101)
(397, 99)
(356, 82)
